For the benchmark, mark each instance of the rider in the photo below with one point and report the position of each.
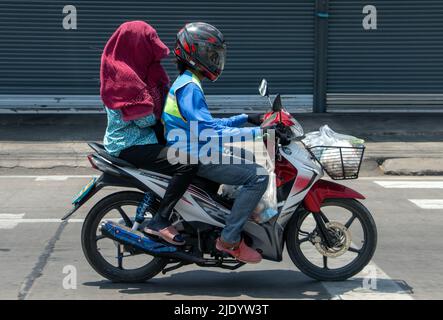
(200, 53)
(133, 88)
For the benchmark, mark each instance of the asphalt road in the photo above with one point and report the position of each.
(36, 249)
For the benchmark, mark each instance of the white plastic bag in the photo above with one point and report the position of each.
(267, 207)
(338, 162)
(325, 136)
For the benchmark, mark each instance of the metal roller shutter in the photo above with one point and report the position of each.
(397, 67)
(272, 39)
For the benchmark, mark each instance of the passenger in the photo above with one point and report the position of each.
(133, 89)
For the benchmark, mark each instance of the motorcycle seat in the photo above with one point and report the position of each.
(100, 149)
(210, 186)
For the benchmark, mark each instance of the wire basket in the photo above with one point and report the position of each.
(340, 163)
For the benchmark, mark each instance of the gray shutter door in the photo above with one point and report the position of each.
(271, 39)
(397, 67)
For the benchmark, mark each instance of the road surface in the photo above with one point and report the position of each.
(37, 250)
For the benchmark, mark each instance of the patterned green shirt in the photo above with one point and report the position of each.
(121, 135)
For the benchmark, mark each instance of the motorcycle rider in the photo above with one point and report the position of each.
(200, 52)
(133, 88)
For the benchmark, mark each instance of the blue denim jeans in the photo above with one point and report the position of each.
(251, 176)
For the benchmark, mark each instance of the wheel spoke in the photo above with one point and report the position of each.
(119, 257)
(325, 219)
(355, 250)
(350, 221)
(325, 262)
(99, 237)
(303, 240)
(125, 217)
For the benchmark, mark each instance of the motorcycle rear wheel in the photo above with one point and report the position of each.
(365, 253)
(92, 252)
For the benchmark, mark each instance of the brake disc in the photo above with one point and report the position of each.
(343, 236)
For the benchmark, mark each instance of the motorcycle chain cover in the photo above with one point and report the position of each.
(136, 239)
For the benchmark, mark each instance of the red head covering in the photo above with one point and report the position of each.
(132, 78)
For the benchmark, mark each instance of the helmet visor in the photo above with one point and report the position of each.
(213, 57)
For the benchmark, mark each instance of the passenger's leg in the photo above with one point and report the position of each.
(154, 157)
(182, 175)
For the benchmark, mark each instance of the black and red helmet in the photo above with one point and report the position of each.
(201, 46)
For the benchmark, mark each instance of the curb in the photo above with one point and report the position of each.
(370, 166)
(383, 158)
(413, 166)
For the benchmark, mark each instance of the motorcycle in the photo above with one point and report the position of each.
(328, 232)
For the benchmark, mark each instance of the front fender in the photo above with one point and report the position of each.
(324, 189)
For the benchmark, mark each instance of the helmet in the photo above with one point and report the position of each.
(201, 46)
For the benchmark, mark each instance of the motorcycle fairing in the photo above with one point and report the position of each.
(324, 189)
(308, 172)
(195, 205)
(267, 238)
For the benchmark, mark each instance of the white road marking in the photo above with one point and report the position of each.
(411, 184)
(428, 203)
(9, 220)
(51, 178)
(402, 178)
(370, 284)
(44, 220)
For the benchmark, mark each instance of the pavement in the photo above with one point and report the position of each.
(38, 251)
(397, 144)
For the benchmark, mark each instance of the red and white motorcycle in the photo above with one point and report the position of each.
(329, 234)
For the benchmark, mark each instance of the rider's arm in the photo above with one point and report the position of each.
(193, 107)
(234, 121)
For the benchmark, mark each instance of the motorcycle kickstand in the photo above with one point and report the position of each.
(176, 266)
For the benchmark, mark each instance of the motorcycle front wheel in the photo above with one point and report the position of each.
(354, 235)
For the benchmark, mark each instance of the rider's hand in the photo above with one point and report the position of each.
(255, 119)
(281, 132)
(265, 132)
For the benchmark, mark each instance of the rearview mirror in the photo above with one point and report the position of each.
(263, 88)
(277, 104)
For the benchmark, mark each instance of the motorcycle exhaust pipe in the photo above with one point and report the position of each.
(138, 240)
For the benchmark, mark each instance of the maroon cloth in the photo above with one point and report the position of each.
(131, 76)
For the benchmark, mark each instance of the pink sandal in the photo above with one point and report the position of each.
(239, 251)
(168, 234)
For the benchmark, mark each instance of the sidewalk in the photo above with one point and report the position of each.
(399, 144)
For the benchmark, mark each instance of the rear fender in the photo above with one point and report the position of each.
(323, 190)
(107, 180)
